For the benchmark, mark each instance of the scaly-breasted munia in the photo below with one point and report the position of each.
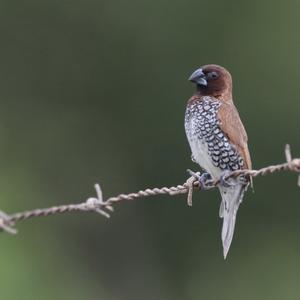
(218, 140)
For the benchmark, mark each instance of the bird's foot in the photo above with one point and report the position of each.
(205, 180)
(225, 180)
(242, 179)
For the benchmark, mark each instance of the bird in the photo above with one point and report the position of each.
(218, 142)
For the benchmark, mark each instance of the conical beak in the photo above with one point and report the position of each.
(198, 77)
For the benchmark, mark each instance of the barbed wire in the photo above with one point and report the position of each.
(104, 208)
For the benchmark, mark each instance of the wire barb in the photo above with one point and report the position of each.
(104, 208)
(294, 164)
(97, 204)
(190, 185)
(6, 224)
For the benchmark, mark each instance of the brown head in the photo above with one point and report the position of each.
(213, 80)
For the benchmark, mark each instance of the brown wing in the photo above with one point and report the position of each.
(233, 127)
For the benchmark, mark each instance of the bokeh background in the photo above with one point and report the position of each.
(95, 91)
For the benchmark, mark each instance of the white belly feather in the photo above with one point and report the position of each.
(199, 150)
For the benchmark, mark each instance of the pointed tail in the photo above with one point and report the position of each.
(231, 199)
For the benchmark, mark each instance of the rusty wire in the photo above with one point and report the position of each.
(96, 204)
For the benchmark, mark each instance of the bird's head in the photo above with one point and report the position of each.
(212, 80)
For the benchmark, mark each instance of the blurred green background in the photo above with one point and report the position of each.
(95, 91)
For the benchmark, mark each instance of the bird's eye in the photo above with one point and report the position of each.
(212, 75)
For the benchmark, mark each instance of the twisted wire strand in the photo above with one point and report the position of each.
(96, 204)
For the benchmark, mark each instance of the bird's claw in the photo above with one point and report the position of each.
(225, 181)
(205, 180)
(243, 180)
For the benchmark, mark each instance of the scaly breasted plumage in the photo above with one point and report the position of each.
(218, 139)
